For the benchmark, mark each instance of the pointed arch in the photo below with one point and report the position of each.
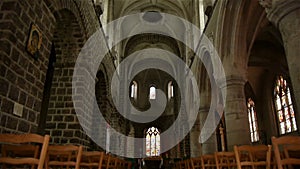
(152, 141)
(284, 106)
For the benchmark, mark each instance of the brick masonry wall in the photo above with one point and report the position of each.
(62, 123)
(22, 78)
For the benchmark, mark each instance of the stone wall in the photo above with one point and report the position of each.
(22, 78)
(62, 123)
(66, 24)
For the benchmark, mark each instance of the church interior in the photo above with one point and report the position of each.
(150, 83)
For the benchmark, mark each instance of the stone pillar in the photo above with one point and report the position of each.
(194, 139)
(285, 14)
(210, 145)
(236, 118)
(129, 143)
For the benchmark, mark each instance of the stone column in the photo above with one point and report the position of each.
(130, 144)
(285, 14)
(236, 118)
(210, 145)
(194, 139)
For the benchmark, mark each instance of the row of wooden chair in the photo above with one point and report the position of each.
(286, 152)
(34, 150)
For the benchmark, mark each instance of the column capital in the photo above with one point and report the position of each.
(235, 80)
(278, 9)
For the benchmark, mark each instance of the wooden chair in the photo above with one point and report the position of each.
(20, 149)
(92, 159)
(184, 164)
(208, 161)
(180, 164)
(122, 164)
(128, 165)
(111, 162)
(176, 165)
(287, 151)
(225, 160)
(188, 163)
(119, 163)
(253, 156)
(64, 155)
(196, 163)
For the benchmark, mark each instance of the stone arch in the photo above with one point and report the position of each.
(264, 60)
(178, 9)
(163, 37)
(86, 17)
(237, 38)
(240, 23)
(141, 42)
(165, 42)
(207, 84)
(68, 38)
(204, 71)
(83, 11)
(249, 93)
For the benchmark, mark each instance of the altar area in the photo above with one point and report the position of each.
(155, 162)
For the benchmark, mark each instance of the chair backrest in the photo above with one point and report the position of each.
(286, 150)
(188, 163)
(64, 155)
(196, 163)
(111, 162)
(208, 161)
(92, 159)
(20, 145)
(225, 159)
(182, 164)
(253, 155)
(128, 165)
(122, 164)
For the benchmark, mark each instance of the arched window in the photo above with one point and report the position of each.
(170, 90)
(252, 120)
(133, 90)
(152, 94)
(152, 142)
(284, 106)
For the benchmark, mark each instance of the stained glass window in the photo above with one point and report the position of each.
(152, 94)
(252, 120)
(170, 90)
(284, 106)
(152, 142)
(133, 90)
